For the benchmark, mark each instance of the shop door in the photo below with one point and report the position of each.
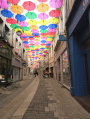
(87, 69)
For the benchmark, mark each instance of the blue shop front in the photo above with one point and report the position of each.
(78, 29)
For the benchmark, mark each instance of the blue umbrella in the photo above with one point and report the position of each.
(42, 48)
(48, 44)
(7, 13)
(20, 17)
(26, 42)
(52, 26)
(35, 34)
(43, 41)
(43, 27)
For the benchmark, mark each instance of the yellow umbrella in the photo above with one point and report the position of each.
(28, 33)
(53, 20)
(16, 9)
(43, 22)
(32, 22)
(16, 30)
(34, 27)
(42, 7)
(49, 39)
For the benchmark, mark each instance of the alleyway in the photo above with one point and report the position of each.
(39, 98)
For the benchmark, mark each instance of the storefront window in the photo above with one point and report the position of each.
(66, 71)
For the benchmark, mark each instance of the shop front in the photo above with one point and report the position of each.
(78, 28)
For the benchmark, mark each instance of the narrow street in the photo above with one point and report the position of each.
(39, 98)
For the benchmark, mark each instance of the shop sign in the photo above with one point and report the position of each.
(63, 38)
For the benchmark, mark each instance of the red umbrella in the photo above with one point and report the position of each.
(29, 6)
(54, 13)
(51, 33)
(13, 1)
(42, 0)
(11, 21)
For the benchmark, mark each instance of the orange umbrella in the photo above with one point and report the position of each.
(43, 7)
(33, 27)
(16, 9)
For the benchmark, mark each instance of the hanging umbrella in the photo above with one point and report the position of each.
(35, 34)
(43, 27)
(31, 15)
(23, 23)
(6, 13)
(43, 38)
(13, 1)
(32, 22)
(43, 41)
(3, 4)
(51, 30)
(54, 13)
(20, 17)
(44, 34)
(34, 31)
(51, 33)
(53, 20)
(56, 3)
(17, 9)
(52, 26)
(29, 6)
(43, 22)
(43, 31)
(25, 28)
(14, 26)
(11, 21)
(42, 0)
(28, 33)
(42, 7)
(43, 16)
(33, 27)
(16, 30)
(24, 39)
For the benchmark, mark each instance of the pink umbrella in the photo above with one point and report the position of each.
(3, 4)
(43, 38)
(56, 3)
(34, 31)
(37, 43)
(43, 16)
(23, 23)
(48, 42)
(51, 30)
(23, 35)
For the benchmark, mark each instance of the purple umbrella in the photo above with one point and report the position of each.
(3, 4)
(56, 3)
(51, 30)
(34, 31)
(23, 23)
(43, 16)
(43, 38)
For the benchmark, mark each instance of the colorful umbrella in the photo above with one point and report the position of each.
(53, 20)
(51, 30)
(43, 38)
(20, 17)
(28, 33)
(16, 30)
(14, 26)
(13, 1)
(32, 22)
(52, 26)
(43, 22)
(11, 21)
(56, 3)
(43, 27)
(16, 9)
(42, 7)
(54, 13)
(3, 4)
(34, 31)
(25, 28)
(29, 6)
(34, 27)
(43, 41)
(23, 23)
(43, 16)
(35, 34)
(42, 0)
(31, 15)
(7, 13)
(43, 31)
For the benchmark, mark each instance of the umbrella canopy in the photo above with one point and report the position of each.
(31, 15)
(56, 3)
(11, 21)
(43, 22)
(33, 27)
(43, 31)
(42, 7)
(16, 9)
(29, 6)
(16, 30)
(7, 13)
(34, 31)
(51, 30)
(43, 16)
(35, 34)
(43, 27)
(28, 33)
(43, 38)
(53, 20)
(13, 1)
(52, 26)
(32, 22)
(3, 4)
(25, 28)
(20, 17)
(54, 13)
(23, 23)
(15, 26)
(42, 0)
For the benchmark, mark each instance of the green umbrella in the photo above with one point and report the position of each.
(14, 26)
(43, 31)
(25, 28)
(31, 15)
(32, 46)
(50, 37)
